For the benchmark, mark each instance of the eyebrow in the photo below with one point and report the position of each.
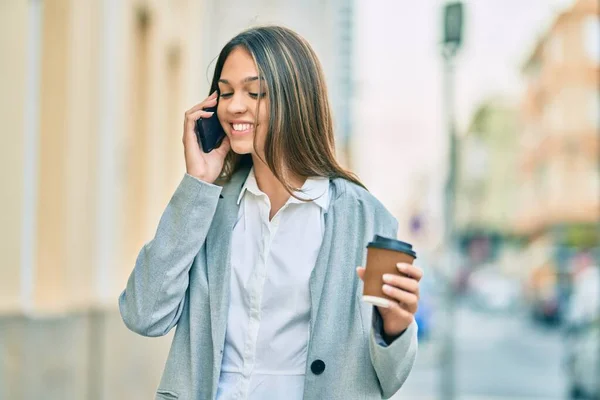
(246, 80)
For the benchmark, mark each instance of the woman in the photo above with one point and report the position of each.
(254, 258)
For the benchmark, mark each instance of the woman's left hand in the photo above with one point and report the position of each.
(404, 289)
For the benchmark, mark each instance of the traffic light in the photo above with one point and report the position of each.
(453, 22)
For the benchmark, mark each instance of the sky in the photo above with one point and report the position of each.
(399, 114)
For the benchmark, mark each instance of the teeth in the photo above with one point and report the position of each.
(241, 127)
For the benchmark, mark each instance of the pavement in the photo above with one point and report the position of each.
(498, 357)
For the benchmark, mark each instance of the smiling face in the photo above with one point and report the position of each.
(291, 126)
(239, 95)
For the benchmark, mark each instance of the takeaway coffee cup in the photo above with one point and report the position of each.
(382, 256)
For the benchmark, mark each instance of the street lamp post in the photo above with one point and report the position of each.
(597, 320)
(453, 17)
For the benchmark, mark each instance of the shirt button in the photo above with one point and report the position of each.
(317, 367)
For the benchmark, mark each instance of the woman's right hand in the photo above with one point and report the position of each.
(201, 165)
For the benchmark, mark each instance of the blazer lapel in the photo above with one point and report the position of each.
(218, 250)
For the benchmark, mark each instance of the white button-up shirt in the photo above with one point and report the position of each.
(269, 311)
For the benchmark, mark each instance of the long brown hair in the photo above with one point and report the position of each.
(300, 136)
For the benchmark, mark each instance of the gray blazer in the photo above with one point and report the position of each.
(181, 278)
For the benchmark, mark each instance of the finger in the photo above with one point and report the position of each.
(208, 102)
(361, 272)
(190, 119)
(407, 300)
(200, 114)
(202, 106)
(189, 134)
(410, 270)
(397, 310)
(407, 284)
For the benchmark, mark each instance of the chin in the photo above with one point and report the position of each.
(242, 147)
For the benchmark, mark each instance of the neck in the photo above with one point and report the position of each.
(271, 186)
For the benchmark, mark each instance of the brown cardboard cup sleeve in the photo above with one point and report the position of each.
(383, 255)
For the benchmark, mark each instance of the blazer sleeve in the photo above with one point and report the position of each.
(153, 299)
(392, 362)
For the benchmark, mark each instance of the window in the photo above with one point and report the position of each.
(593, 177)
(576, 108)
(594, 107)
(591, 37)
(556, 49)
(542, 179)
(574, 102)
(554, 115)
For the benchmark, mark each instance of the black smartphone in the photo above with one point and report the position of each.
(209, 131)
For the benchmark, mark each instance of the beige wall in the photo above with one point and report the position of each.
(137, 85)
(81, 144)
(111, 100)
(13, 52)
(160, 81)
(51, 250)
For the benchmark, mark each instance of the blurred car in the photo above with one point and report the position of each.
(545, 307)
(583, 336)
(542, 295)
(489, 290)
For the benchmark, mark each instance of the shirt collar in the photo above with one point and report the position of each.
(251, 185)
(316, 188)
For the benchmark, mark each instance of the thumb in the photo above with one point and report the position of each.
(361, 272)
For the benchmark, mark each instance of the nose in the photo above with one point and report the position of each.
(237, 105)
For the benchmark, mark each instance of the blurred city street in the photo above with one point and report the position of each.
(499, 356)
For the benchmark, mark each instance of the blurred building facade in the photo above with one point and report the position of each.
(559, 149)
(92, 107)
(561, 116)
(486, 191)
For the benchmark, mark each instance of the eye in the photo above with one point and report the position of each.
(226, 95)
(256, 95)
